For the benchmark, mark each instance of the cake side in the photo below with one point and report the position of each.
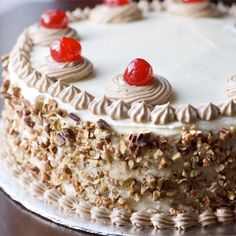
(129, 164)
(139, 172)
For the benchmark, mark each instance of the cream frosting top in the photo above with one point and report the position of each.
(181, 60)
(120, 14)
(118, 110)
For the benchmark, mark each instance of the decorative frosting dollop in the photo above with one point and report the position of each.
(68, 203)
(140, 112)
(68, 71)
(44, 36)
(228, 108)
(56, 88)
(197, 9)
(187, 114)
(26, 179)
(20, 64)
(207, 218)
(100, 214)
(141, 219)
(99, 107)
(84, 208)
(52, 196)
(38, 189)
(225, 214)
(82, 100)
(119, 14)
(163, 114)
(144, 5)
(43, 84)
(232, 10)
(156, 93)
(16, 171)
(186, 220)
(120, 217)
(157, 5)
(78, 14)
(68, 93)
(118, 110)
(32, 79)
(162, 221)
(230, 87)
(209, 112)
(24, 42)
(24, 70)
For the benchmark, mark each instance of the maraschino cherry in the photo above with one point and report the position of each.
(193, 1)
(65, 50)
(54, 19)
(116, 3)
(139, 73)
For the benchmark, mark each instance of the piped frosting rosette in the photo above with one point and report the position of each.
(193, 8)
(106, 13)
(68, 71)
(53, 25)
(65, 61)
(138, 84)
(155, 94)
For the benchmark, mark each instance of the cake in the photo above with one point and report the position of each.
(125, 112)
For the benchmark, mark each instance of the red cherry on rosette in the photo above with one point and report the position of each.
(54, 19)
(193, 1)
(139, 73)
(65, 50)
(116, 3)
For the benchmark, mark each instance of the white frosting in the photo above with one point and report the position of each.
(179, 49)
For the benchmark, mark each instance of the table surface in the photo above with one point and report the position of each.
(14, 219)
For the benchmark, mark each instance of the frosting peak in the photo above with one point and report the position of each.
(56, 88)
(156, 93)
(228, 108)
(43, 84)
(33, 78)
(187, 114)
(99, 107)
(82, 100)
(163, 114)
(118, 110)
(68, 93)
(208, 112)
(140, 112)
(119, 14)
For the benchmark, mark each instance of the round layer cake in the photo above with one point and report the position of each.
(125, 112)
